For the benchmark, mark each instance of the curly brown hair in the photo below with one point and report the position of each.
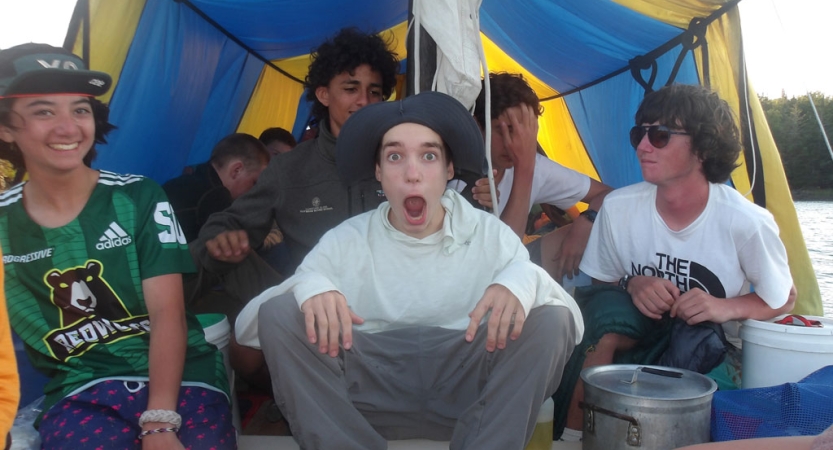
(507, 90)
(709, 120)
(348, 49)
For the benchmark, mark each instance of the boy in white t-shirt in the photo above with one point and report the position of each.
(682, 243)
(525, 177)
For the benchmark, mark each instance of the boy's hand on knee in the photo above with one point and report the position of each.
(507, 313)
(326, 316)
(229, 246)
(568, 255)
(483, 194)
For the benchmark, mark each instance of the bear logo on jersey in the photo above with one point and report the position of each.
(91, 312)
(80, 292)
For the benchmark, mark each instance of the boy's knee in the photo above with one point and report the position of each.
(608, 345)
(550, 324)
(612, 343)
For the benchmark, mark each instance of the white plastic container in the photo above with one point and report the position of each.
(775, 354)
(218, 332)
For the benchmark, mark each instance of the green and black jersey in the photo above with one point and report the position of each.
(74, 293)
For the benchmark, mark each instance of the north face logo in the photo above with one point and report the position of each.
(114, 236)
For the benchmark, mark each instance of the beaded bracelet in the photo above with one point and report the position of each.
(158, 430)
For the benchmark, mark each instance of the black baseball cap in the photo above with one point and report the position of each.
(38, 69)
(362, 133)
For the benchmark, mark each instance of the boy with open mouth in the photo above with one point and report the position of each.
(421, 319)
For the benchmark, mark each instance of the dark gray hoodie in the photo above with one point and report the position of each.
(301, 191)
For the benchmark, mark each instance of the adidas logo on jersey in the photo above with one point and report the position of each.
(114, 236)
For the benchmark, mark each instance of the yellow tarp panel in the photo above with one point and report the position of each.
(274, 102)
(499, 61)
(724, 40)
(113, 26)
(560, 139)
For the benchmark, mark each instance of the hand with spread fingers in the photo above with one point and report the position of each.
(327, 316)
(229, 246)
(653, 296)
(506, 313)
(519, 129)
(568, 256)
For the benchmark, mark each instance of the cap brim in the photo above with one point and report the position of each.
(59, 81)
(362, 133)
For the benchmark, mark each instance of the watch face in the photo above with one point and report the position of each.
(623, 282)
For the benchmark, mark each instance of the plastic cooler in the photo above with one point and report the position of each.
(774, 354)
(218, 332)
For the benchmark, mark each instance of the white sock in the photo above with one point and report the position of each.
(571, 435)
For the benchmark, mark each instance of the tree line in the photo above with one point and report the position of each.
(807, 161)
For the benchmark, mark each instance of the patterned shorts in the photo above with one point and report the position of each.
(106, 416)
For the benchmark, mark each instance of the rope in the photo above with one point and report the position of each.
(237, 41)
(657, 52)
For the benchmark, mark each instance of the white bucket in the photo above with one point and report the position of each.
(775, 354)
(218, 332)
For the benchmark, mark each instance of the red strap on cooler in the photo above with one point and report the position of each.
(799, 321)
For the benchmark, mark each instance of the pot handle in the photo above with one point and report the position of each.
(661, 372)
(634, 438)
(651, 370)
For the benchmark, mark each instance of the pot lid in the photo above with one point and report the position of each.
(653, 382)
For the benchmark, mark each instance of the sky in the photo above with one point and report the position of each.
(788, 42)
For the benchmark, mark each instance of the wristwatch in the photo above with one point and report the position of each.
(623, 282)
(590, 214)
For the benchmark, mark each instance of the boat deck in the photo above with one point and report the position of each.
(287, 443)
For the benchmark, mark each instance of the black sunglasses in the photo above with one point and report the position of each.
(658, 135)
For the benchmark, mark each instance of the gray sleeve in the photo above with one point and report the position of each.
(254, 212)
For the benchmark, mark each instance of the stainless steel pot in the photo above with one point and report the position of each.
(645, 407)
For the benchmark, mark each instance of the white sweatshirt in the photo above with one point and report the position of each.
(393, 280)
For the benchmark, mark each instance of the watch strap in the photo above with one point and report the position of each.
(590, 214)
(623, 282)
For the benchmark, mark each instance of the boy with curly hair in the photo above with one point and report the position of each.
(301, 190)
(682, 244)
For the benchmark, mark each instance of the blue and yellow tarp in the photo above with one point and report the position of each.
(188, 72)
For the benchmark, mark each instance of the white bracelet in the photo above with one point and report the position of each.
(162, 416)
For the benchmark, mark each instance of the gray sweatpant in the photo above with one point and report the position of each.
(418, 382)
